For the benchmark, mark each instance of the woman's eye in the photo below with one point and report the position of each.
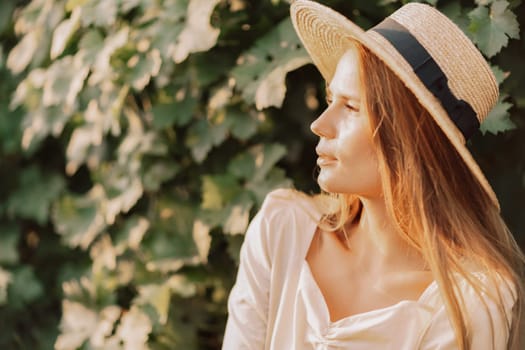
(351, 108)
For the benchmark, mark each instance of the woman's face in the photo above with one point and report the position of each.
(347, 157)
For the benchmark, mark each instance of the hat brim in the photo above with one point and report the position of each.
(327, 35)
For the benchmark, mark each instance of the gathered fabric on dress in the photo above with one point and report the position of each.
(276, 303)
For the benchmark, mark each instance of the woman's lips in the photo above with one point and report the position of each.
(324, 160)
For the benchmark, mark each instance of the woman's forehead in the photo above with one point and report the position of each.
(345, 82)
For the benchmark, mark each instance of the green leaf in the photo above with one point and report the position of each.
(89, 46)
(163, 23)
(262, 70)
(131, 234)
(142, 67)
(203, 135)
(255, 164)
(169, 244)
(64, 80)
(499, 74)
(6, 11)
(78, 219)
(456, 13)
(491, 31)
(97, 12)
(243, 124)
(10, 129)
(157, 173)
(9, 236)
(498, 119)
(178, 112)
(122, 188)
(276, 178)
(24, 287)
(35, 193)
(217, 190)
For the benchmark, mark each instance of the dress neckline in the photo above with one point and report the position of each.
(315, 292)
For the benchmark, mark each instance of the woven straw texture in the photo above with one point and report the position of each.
(327, 35)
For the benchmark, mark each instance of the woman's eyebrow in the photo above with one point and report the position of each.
(329, 95)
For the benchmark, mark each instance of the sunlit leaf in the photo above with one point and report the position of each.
(164, 23)
(158, 296)
(142, 68)
(5, 279)
(63, 33)
(80, 324)
(78, 219)
(102, 67)
(217, 190)
(198, 34)
(134, 329)
(130, 236)
(122, 188)
(103, 254)
(181, 285)
(64, 80)
(202, 238)
(262, 70)
(238, 218)
(22, 54)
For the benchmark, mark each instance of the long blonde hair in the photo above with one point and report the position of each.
(439, 206)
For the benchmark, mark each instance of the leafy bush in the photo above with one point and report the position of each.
(137, 139)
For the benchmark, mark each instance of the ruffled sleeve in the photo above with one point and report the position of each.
(248, 300)
(488, 326)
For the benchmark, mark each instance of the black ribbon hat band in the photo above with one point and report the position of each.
(428, 71)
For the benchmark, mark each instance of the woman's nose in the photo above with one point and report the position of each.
(323, 126)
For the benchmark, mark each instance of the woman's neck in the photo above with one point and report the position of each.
(375, 240)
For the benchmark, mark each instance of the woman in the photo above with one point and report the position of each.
(407, 248)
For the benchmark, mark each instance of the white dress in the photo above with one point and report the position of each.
(276, 303)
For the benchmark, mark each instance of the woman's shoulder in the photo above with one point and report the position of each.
(487, 299)
(285, 204)
(490, 288)
(284, 224)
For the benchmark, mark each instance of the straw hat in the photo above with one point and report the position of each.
(426, 50)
